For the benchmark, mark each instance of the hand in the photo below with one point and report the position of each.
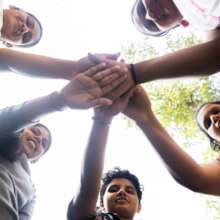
(124, 87)
(85, 63)
(106, 113)
(87, 90)
(139, 106)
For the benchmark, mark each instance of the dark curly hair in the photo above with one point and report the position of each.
(119, 173)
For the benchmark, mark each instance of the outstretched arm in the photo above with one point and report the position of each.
(43, 66)
(84, 202)
(198, 60)
(84, 91)
(184, 169)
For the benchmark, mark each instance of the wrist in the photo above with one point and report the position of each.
(105, 121)
(143, 121)
(57, 101)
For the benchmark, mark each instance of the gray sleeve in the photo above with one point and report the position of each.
(12, 120)
(8, 204)
(27, 211)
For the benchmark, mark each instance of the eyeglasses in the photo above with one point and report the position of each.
(146, 26)
(27, 36)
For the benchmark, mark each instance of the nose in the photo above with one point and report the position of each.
(121, 192)
(215, 118)
(24, 28)
(39, 138)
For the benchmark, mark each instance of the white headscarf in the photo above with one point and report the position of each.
(202, 14)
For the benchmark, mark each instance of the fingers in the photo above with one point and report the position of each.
(113, 85)
(95, 69)
(117, 91)
(105, 73)
(98, 58)
(114, 56)
(99, 102)
(109, 79)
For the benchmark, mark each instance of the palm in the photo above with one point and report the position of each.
(118, 106)
(81, 91)
(138, 105)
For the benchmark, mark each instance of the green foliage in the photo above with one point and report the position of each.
(180, 42)
(175, 102)
(214, 204)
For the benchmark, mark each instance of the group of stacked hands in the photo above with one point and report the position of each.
(110, 86)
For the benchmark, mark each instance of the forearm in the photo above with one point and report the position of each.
(17, 117)
(180, 165)
(202, 59)
(36, 65)
(85, 200)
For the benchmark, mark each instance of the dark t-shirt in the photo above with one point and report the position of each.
(100, 215)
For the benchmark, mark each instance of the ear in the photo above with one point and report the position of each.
(13, 7)
(102, 206)
(139, 207)
(7, 44)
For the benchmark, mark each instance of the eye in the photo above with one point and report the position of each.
(113, 188)
(36, 131)
(27, 36)
(215, 112)
(130, 190)
(208, 123)
(30, 22)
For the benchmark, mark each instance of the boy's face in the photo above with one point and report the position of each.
(121, 198)
(162, 12)
(19, 28)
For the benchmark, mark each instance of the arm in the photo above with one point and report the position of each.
(198, 60)
(84, 202)
(8, 198)
(43, 66)
(183, 168)
(84, 91)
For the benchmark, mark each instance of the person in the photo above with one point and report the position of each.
(23, 139)
(121, 192)
(19, 28)
(202, 178)
(40, 66)
(156, 18)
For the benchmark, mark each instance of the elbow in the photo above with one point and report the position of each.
(4, 59)
(196, 186)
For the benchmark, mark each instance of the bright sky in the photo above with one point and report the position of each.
(71, 29)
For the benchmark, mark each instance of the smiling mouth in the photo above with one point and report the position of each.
(121, 200)
(33, 144)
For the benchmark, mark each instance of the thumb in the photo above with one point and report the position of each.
(128, 94)
(114, 56)
(99, 102)
(94, 59)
